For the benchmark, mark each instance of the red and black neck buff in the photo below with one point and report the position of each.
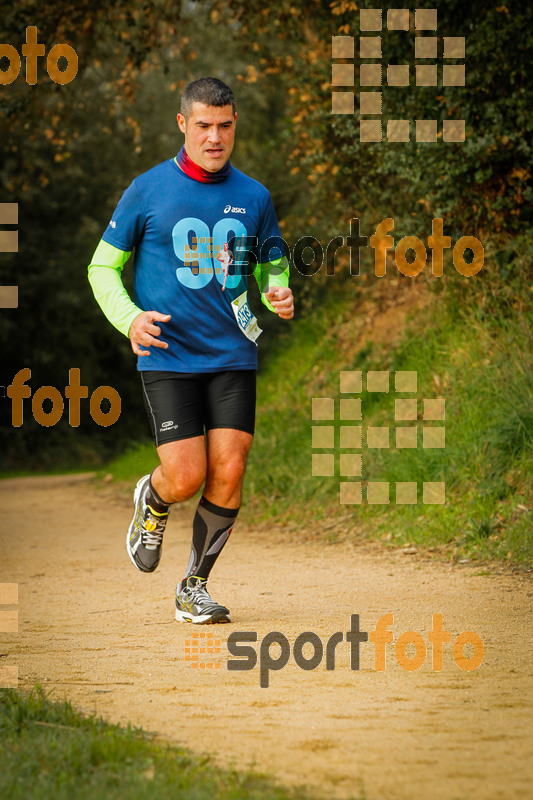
(199, 173)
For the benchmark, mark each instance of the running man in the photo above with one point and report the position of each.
(226, 258)
(197, 224)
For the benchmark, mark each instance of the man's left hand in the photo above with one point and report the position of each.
(282, 301)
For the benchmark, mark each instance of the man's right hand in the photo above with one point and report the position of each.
(143, 331)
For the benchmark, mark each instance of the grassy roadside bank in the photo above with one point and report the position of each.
(470, 341)
(471, 346)
(50, 751)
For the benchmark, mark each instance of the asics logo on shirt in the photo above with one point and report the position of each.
(234, 210)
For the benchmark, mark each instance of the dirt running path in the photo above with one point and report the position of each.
(93, 629)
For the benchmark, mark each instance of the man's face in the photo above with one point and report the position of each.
(209, 135)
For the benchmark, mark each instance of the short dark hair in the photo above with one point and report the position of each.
(210, 91)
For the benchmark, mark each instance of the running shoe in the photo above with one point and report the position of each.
(194, 604)
(144, 541)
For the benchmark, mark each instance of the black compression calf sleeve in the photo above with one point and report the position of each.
(212, 526)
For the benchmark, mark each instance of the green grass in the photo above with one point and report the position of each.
(50, 752)
(474, 348)
(139, 459)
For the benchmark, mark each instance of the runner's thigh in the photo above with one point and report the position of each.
(175, 404)
(230, 400)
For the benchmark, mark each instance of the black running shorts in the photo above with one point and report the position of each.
(181, 404)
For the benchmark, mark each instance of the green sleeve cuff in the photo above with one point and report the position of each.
(104, 275)
(271, 274)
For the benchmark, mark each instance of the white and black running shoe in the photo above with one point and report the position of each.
(144, 541)
(194, 604)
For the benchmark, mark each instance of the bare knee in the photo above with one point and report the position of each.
(182, 469)
(228, 472)
(178, 486)
(227, 452)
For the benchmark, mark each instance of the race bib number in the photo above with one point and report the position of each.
(245, 319)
